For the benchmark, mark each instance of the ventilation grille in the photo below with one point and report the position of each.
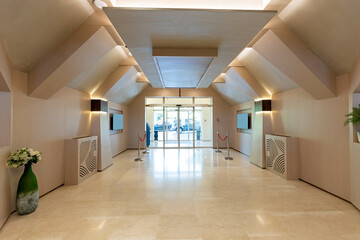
(276, 154)
(87, 158)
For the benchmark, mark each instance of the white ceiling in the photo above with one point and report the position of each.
(144, 29)
(194, 4)
(329, 27)
(31, 29)
(182, 72)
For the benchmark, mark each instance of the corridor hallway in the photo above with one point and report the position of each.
(186, 194)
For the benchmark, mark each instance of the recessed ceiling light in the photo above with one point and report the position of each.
(99, 4)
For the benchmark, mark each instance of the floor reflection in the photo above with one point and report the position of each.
(176, 163)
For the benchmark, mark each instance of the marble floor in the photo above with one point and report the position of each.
(186, 194)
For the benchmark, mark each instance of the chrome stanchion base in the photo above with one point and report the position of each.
(138, 159)
(228, 158)
(217, 150)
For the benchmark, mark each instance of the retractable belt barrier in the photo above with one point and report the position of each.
(217, 143)
(141, 140)
(227, 144)
(145, 148)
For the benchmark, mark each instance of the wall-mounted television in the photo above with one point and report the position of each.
(243, 121)
(117, 121)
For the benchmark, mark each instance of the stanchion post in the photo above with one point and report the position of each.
(228, 148)
(145, 150)
(217, 142)
(138, 158)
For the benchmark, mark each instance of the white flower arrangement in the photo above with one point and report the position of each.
(22, 157)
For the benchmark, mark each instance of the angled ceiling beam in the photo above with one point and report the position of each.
(220, 79)
(115, 81)
(290, 55)
(71, 58)
(5, 70)
(129, 92)
(231, 91)
(236, 62)
(99, 18)
(129, 61)
(141, 78)
(247, 82)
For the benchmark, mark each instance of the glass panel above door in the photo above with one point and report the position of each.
(178, 100)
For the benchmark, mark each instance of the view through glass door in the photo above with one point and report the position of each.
(186, 129)
(185, 125)
(171, 133)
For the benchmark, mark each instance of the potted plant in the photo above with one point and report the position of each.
(354, 118)
(27, 196)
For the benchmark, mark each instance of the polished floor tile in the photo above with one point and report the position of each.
(188, 194)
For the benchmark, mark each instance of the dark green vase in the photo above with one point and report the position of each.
(27, 197)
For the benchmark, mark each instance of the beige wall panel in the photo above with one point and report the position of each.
(354, 77)
(44, 124)
(136, 120)
(355, 178)
(100, 128)
(285, 117)
(5, 119)
(5, 70)
(5, 197)
(70, 59)
(323, 140)
(261, 126)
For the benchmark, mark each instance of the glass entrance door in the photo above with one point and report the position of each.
(171, 131)
(179, 122)
(203, 119)
(186, 130)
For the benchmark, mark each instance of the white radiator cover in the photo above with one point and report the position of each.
(80, 159)
(282, 157)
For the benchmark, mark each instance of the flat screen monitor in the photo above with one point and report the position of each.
(117, 121)
(243, 121)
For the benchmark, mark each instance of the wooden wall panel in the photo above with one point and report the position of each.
(5, 193)
(44, 124)
(323, 139)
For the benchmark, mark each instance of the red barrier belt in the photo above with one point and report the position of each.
(143, 138)
(221, 138)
